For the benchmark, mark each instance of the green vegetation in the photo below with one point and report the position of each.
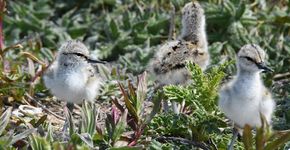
(126, 33)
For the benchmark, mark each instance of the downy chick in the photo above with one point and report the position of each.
(244, 98)
(71, 77)
(168, 64)
(193, 25)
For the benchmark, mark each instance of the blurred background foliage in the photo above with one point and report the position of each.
(126, 33)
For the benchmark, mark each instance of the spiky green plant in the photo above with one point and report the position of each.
(134, 99)
(201, 120)
(265, 138)
(8, 138)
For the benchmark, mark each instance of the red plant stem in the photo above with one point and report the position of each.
(2, 9)
(138, 134)
(40, 73)
(1, 33)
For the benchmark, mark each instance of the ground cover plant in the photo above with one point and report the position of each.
(128, 113)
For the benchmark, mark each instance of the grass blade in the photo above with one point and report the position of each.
(5, 118)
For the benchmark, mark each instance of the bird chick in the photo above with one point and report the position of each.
(193, 24)
(71, 77)
(245, 98)
(168, 65)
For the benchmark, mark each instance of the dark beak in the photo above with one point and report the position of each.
(95, 61)
(263, 66)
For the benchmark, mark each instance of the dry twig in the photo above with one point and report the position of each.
(183, 141)
(171, 35)
(43, 107)
(282, 76)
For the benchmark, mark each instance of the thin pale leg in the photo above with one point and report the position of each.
(165, 106)
(68, 108)
(176, 107)
(234, 138)
(182, 105)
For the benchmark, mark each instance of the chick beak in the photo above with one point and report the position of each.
(263, 66)
(93, 61)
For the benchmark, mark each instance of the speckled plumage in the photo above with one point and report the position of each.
(193, 24)
(168, 64)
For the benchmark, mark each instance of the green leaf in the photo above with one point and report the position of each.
(158, 25)
(114, 29)
(77, 31)
(89, 115)
(4, 119)
(132, 94)
(279, 141)
(247, 137)
(128, 148)
(120, 127)
(40, 121)
(85, 137)
(128, 103)
(241, 10)
(260, 139)
(141, 92)
(139, 26)
(22, 135)
(39, 143)
(118, 105)
(49, 135)
(156, 108)
(70, 121)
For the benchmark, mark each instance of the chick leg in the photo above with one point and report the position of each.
(176, 107)
(165, 106)
(68, 109)
(70, 106)
(234, 138)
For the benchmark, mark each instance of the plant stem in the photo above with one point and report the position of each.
(2, 10)
(183, 141)
(137, 135)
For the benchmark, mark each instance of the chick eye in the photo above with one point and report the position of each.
(79, 54)
(249, 58)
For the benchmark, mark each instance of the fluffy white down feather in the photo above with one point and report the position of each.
(72, 86)
(243, 99)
